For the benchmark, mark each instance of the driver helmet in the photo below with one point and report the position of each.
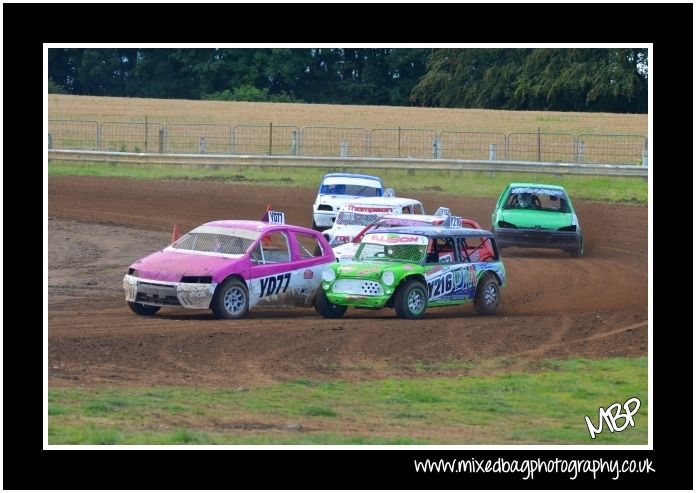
(525, 200)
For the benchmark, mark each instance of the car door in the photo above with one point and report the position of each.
(310, 256)
(270, 271)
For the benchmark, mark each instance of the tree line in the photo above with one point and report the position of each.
(561, 79)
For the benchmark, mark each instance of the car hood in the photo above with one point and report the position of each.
(362, 270)
(167, 265)
(336, 200)
(525, 218)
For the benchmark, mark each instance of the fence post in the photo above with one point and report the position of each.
(344, 148)
(50, 141)
(437, 148)
(399, 139)
(492, 152)
(538, 144)
(293, 143)
(201, 146)
(99, 132)
(270, 139)
(581, 152)
(645, 157)
(145, 134)
(161, 141)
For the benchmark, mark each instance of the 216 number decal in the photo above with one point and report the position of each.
(440, 286)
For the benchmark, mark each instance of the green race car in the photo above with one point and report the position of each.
(412, 268)
(537, 215)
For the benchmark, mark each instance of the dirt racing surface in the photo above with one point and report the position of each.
(553, 306)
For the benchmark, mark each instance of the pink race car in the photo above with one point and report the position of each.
(230, 267)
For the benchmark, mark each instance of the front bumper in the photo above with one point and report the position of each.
(324, 219)
(357, 292)
(537, 238)
(161, 293)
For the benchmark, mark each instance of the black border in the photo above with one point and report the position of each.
(367, 23)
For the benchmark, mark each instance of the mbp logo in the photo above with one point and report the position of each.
(612, 414)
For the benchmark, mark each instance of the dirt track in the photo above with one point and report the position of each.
(553, 306)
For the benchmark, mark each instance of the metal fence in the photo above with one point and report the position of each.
(285, 140)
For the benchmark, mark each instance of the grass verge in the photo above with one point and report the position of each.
(466, 183)
(544, 405)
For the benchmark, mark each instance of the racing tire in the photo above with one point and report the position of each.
(144, 310)
(578, 250)
(327, 309)
(231, 299)
(487, 295)
(411, 299)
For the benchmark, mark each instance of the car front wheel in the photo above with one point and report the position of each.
(327, 309)
(579, 249)
(411, 299)
(145, 310)
(231, 299)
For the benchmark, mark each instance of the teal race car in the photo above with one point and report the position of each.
(414, 268)
(539, 216)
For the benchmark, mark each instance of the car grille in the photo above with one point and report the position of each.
(157, 293)
(357, 286)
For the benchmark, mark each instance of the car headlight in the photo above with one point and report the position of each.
(328, 274)
(388, 277)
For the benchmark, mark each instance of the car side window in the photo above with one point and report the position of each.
(309, 246)
(273, 249)
(442, 251)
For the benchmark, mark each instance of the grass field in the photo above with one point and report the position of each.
(467, 183)
(546, 404)
(235, 113)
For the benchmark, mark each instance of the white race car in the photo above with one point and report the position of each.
(358, 213)
(442, 217)
(338, 188)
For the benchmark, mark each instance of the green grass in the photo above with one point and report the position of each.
(465, 183)
(545, 404)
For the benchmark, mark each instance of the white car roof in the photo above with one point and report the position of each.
(347, 180)
(384, 201)
(426, 218)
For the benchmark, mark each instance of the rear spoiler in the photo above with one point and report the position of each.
(450, 220)
(389, 192)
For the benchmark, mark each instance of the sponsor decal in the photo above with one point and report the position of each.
(358, 208)
(308, 274)
(393, 239)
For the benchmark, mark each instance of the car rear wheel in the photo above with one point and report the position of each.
(487, 295)
(327, 309)
(231, 299)
(145, 310)
(411, 299)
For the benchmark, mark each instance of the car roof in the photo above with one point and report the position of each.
(351, 175)
(386, 201)
(258, 226)
(431, 231)
(425, 218)
(536, 185)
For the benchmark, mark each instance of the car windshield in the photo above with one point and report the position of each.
(351, 186)
(393, 247)
(541, 199)
(210, 242)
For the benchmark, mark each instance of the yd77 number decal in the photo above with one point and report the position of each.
(274, 284)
